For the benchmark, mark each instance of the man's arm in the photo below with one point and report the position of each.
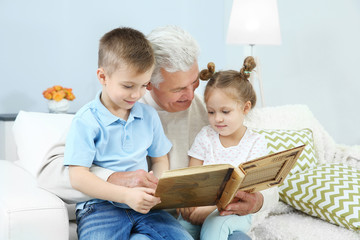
(271, 198)
(54, 176)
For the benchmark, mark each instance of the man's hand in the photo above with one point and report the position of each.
(244, 203)
(138, 178)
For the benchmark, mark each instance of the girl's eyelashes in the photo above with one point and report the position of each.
(224, 112)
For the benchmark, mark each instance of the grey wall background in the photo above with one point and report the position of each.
(43, 43)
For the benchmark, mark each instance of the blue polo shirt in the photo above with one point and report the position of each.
(96, 136)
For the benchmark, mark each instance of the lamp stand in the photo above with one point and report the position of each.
(258, 75)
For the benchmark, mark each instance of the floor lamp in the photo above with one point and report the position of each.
(254, 22)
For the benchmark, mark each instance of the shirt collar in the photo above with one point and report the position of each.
(108, 118)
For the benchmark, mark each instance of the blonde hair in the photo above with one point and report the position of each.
(235, 84)
(125, 47)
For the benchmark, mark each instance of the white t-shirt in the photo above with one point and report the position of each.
(207, 147)
(180, 128)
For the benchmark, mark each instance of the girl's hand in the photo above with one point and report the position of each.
(141, 199)
(185, 212)
(199, 215)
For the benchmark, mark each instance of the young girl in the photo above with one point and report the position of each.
(229, 96)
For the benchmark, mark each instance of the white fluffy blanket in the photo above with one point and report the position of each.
(284, 222)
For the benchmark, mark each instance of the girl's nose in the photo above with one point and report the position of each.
(218, 118)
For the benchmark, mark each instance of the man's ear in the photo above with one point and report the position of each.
(247, 107)
(101, 75)
(149, 86)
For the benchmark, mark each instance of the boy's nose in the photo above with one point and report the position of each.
(135, 94)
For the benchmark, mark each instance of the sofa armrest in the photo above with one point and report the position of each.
(27, 211)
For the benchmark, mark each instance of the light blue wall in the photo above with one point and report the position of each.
(316, 64)
(43, 43)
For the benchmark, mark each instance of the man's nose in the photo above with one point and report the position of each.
(189, 92)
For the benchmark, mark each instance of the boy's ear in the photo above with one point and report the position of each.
(247, 107)
(149, 86)
(101, 75)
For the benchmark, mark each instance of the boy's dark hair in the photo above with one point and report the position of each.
(125, 47)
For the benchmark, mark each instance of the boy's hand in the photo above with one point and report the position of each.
(141, 199)
(138, 178)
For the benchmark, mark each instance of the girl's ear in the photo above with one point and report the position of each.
(247, 107)
(101, 76)
(149, 86)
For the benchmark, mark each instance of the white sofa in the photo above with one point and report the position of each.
(28, 212)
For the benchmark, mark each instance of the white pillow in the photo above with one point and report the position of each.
(35, 133)
(294, 117)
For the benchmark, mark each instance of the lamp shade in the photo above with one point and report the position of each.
(254, 22)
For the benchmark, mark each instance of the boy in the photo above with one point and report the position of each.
(116, 132)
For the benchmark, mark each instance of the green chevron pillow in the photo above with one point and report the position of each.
(330, 192)
(279, 140)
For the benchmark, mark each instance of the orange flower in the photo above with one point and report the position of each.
(58, 96)
(47, 95)
(58, 93)
(70, 96)
(58, 87)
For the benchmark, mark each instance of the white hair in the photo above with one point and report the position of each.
(174, 50)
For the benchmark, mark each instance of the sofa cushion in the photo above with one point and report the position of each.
(27, 211)
(279, 140)
(35, 133)
(330, 192)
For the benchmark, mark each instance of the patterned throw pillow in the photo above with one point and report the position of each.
(330, 192)
(279, 140)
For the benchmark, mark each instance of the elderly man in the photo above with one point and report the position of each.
(182, 113)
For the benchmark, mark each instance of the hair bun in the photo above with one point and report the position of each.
(248, 66)
(206, 74)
